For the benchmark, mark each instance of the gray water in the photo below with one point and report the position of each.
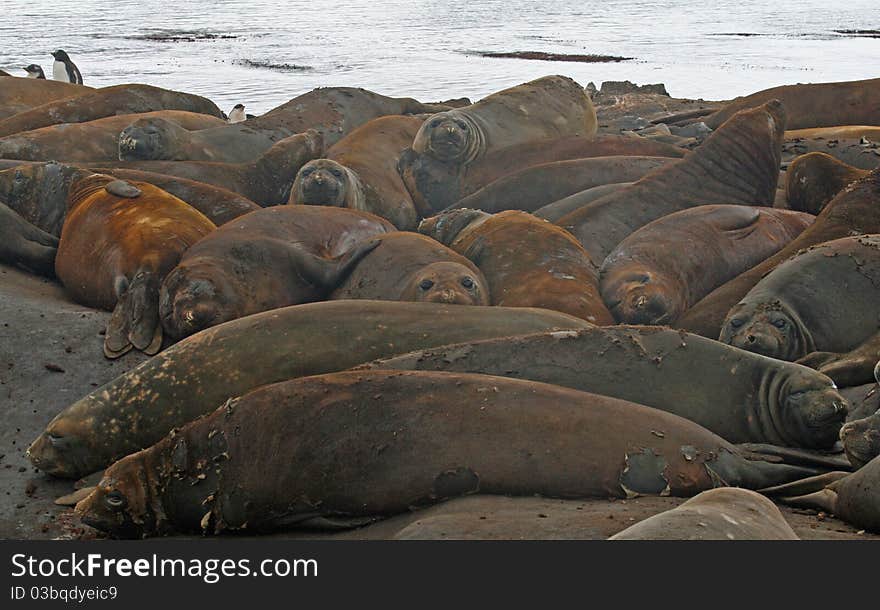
(424, 49)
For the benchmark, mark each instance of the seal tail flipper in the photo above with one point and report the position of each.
(795, 456)
(804, 486)
(328, 273)
(825, 500)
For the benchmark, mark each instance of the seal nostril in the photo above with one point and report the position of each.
(751, 338)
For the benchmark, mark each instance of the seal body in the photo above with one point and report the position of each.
(527, 262)
(118, 242)
(796, 309)
(658, 272)
(557, 209)
(360, 172)
(108, 101)
(22, 94)
(748, 146)
(854, 210)
(358, 456)
(411, 267)
(763, 400)
(854, 145)
(814, 179)
(727, 513)
(186, 380)
(25, 245)
(267, 259)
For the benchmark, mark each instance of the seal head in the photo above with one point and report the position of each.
(450, 137)
(636, 295)
(150, 139)
(193, 299)
(770, 329)
(324, 182)
(447, 282)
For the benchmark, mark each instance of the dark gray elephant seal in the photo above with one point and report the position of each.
(727, 513)
(740, 396)
(25, 245)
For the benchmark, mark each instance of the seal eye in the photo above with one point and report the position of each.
(779, 323)
(114, 500)
(736, 322)
(426, 284)
(462, 125)
(336, 173)
(307, 171)
(435, 123)
(467, 282)
(54, 439)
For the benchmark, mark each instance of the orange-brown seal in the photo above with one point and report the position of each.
(855, 145)
(814, 179)
(527, 262)
(21, 94)
(118, 242)
(360, 172)
(411, 267)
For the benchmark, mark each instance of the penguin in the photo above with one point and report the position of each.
(237, 114)
(65, 70)
(34, 71)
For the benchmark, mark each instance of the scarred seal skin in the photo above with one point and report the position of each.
(854, 210)
(274, 257)
(814, 179)
(108, 101)
(356, 455)
(741, 396)
(407, 266)
(797, 308)
(192, 377)
(22, 94)
(527, 262)
(814, 105)
(360, 172)
(747, 147)
(658, 272)
(727, 513)
(119, 241)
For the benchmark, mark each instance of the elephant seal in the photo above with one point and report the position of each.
(411, 267)
(267, 259)
(187, 380)
(266, 181)
(357, 456)
(763, 400)
(545, 108)
(658, 272)
(747, 147)
(91, 141)
(540, 185)
(852, 145)
(854, 210)
(118, 242)
(527, 262)
(554, 211)
(25, 245)
(21, 94)
(360, 172)
(861, 440)
(727, 513)
(853, 497)
(815, 105)
(814, 179)
(108, 101)
(796, 309)
(332, 111)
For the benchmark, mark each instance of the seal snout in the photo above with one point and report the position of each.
(861, 440)
(818, 411)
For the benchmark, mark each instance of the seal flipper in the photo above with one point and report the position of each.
(329, 273)
(145, 332)
(116, 341)
(804, 486)
(825, 500)
(796, 456)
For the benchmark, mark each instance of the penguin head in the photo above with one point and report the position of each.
(60, 55)
(34, 71)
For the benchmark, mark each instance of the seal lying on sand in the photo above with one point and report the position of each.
(527, 262)
(727, 513)
(658, 272)
(285, 255)
(356, 456)
(187, 380)
(25, 245)
(741, 396)
(747, 147)
(118, 242)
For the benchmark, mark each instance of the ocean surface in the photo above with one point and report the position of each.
(263, 52)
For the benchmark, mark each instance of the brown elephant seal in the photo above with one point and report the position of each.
(814, 105)
(747, 147)
(39, 193)
(22, 94)
(861, 440)
(853, 497)
(545, 108)
(814, 179)
(267, 259)
(658, 272)
(411, 267)
(332, 111)
(360, 172)
(853, 145)
(540, 185)
(727, 513)
(118, 242)
(552, 212)
(108, 101)
(763, 400)
(527, 262)
(266, 181)
(796, 309)
(91, 141)
(357, 456)
(25, 245)
(854, 210)
(186, 380)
